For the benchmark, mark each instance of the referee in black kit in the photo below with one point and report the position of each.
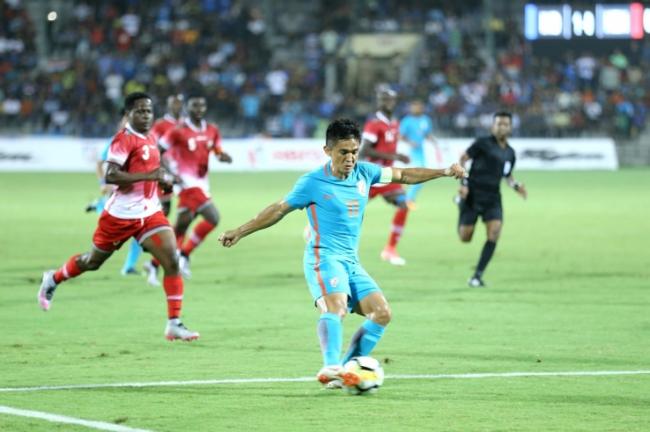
(479, 194)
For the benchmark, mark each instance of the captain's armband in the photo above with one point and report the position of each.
(386, 175)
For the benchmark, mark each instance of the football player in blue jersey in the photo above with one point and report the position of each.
(335, 196)
(416, 128)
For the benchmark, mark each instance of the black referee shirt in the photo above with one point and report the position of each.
(490, 162)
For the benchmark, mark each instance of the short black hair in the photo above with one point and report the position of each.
(131, 98)
(502, 114)
(341, 129)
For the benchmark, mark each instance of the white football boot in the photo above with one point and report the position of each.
(184, 265)
(152, 273)
(390, 255)
(328, 374)
(175, 330)
(476, 282)
(46, 291)
(334, 385)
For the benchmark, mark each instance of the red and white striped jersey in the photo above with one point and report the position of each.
(383, 133)
(135, 153)
(190, 148)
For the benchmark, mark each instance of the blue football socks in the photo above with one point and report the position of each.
(413, 191)
(364, 340)
(100, 203)
(330, 333)
(132, 257)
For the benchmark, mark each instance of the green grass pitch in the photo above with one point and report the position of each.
(569, 290)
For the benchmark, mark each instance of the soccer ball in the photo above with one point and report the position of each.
(370, 372)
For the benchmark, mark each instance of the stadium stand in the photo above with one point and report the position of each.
(285, 70)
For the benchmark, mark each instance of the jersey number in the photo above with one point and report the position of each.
(145, 152)
(191, 144)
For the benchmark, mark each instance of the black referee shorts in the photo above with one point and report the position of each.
(488, 207)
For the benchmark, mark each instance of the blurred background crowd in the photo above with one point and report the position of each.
(284, 69)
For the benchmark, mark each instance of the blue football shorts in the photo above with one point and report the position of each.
(332, 275)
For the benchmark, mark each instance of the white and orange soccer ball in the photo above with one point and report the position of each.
(370, 373)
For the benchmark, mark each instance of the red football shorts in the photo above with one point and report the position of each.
(388, 189)
(192, 199)
(112, 232)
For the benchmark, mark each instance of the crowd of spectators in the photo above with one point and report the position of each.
(96, 52)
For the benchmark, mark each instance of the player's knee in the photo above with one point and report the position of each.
(494, 233)
(340, 309)
(170, 266)
(494, 236)
(214, 219)
(382, 315)
(465, 235)
(92, 265)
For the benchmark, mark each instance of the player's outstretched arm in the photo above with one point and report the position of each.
(420, 175)
(267, 217)
(517, 186)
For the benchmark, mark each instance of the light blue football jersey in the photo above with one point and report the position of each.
(335, 209)
(416, 128)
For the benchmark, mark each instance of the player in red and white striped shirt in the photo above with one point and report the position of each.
(190, 146)
(133, 210)
(172, 119)
(379, 145)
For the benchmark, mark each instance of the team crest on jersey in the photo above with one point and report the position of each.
(334, 282)
(361, 187)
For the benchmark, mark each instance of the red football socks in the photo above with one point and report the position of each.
(399, 220)
(68, 270)
(173, 286)
(201, 231)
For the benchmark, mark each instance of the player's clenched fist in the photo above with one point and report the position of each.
(229, 238)
(456, 171)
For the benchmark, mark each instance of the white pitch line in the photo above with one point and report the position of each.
(56, 418)
(308, 379)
